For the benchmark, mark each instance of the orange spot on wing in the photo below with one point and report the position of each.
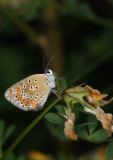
(10, 92)
(18, 89)
(33, 104)
(20, 84)
(17, 95)
(27, 103)
(20, 99)
(23, 101)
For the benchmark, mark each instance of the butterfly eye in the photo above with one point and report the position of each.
(49, 71)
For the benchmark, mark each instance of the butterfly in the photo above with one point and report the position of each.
(32, 92)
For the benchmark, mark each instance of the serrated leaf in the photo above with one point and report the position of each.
(54, 118)
(109, 151)
(8, 133)
(100, 135)
(2, 129)
(60, 109)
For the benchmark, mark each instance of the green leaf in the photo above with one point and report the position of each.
(93, 125)
(109, 151)
(100, 135)
(76, 109)
(54, 118)
(60, 109)
(83, 134)
(64, 85)
(2, 128)
(8, 132)
(85, 124)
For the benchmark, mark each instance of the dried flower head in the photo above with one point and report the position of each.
(69, 127)
(91, 105)
(94, 96)
(104, 118)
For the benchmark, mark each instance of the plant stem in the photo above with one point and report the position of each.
(30, 126)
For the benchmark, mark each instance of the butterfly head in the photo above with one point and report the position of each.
(50, 78)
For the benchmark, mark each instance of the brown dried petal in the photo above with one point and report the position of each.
(105, 119)
(103, 102)
(69, 127)
(94, 93)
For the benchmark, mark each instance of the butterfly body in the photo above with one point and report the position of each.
(32, 92)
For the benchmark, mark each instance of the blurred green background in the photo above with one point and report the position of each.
(78, 34)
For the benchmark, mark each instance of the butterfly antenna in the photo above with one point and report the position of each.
(44, 65)
(49, 63)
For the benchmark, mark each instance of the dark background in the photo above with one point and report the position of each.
(78, 34)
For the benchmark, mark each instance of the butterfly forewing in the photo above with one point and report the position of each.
(30, 93)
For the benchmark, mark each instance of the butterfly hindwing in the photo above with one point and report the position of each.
(30, 93)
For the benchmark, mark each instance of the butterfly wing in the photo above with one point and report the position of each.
(30, 93)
